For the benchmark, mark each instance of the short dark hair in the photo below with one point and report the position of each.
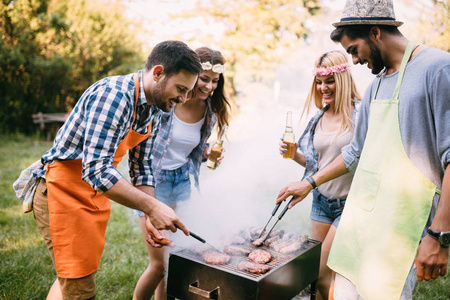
(360, 31)
(174, 56)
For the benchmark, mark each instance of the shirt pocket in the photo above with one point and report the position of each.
(364, 188)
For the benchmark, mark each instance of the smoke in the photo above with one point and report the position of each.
(241, 192)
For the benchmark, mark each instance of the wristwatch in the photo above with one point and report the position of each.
(442, 237)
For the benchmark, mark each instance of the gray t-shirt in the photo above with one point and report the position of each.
(424, 113)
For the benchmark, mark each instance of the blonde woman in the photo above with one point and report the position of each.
(334, 93)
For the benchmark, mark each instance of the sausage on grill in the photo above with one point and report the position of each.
(236, 250)
(253, 267)
(236, 239)
(271, 240)
(294, 246)
(215, 258)
(163, 241)
(260, 256)
(259, 242)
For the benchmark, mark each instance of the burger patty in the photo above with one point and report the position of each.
(260, 256)
(253, 267)
(215, 258)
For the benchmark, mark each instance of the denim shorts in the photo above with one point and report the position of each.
(172, 186)
(326, 210)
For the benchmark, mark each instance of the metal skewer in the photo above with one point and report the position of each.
(198, 238)
(279, 218)
(273, 214)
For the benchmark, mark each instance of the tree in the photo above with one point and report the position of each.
(433, 22)
(256, 34)
(52, 50)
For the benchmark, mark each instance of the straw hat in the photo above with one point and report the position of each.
(368, 12)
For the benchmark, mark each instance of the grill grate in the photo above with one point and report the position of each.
(277, 260)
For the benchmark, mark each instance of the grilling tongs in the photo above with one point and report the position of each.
(279, 218)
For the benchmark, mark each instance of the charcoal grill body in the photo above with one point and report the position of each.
(192, 279)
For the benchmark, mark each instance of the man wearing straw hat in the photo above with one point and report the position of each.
(395, 227)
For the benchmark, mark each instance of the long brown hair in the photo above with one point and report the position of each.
(219, 101)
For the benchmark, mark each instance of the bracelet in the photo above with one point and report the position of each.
(311, 181)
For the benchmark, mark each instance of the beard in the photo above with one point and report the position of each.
(375, 58)
(159, 95)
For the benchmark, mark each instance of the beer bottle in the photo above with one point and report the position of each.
(289, 138)
(216, 149)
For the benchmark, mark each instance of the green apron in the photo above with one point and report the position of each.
(386, 210)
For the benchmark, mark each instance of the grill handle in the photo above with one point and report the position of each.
(196, 237)
(193, 288)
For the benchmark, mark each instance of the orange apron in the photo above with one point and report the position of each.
(78, 213)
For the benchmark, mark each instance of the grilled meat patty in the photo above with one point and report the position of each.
(260, 256)
(215, 258)
(253, 267)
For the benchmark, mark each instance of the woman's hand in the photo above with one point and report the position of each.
(219, 159)
(283, 148)
(207, 152)
(299, 190)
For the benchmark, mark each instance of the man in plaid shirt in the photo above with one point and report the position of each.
(115, 115)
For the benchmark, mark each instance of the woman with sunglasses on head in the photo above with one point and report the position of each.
(180, 147)
(334, 93)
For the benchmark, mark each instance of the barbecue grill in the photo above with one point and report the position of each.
(190, 278)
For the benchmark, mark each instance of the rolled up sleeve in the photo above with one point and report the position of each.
(352, 152)
(106, 117)
(441, 108)
(140, 157)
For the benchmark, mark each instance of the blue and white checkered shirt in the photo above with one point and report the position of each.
(98, 123)
(306, 141)
(162, 141)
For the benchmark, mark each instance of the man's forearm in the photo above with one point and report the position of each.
(441, 221)
(335, 169)
(126, 194)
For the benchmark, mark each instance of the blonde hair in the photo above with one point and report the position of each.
(346, 93)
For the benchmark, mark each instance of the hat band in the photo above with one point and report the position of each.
(367, 19)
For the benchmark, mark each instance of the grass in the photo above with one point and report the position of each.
(26, 270)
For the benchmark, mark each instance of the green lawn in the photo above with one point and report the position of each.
(26, 271)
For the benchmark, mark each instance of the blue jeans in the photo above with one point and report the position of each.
(326, 210)
(172, 186)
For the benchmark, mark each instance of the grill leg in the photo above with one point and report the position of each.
(313, 289)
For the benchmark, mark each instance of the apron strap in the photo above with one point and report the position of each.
(401, 72)
(136, 84)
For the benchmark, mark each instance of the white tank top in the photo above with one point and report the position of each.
(185, 137)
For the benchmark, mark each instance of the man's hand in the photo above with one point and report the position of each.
(158, 240)
(162, 217)
(431, 259)
(299, 190)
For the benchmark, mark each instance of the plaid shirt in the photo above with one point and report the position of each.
(162, 139)
(97, 124)
(306, 141)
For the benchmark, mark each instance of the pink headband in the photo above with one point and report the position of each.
(321, 71)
